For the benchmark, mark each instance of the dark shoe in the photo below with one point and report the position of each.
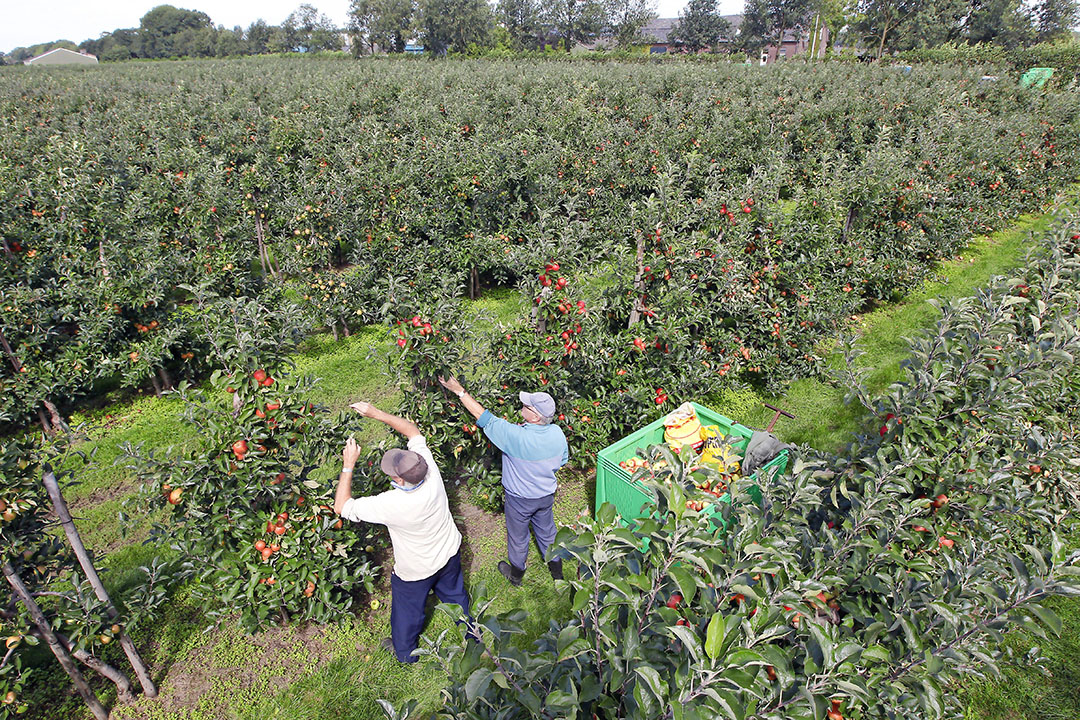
(511, 573)
(387, 644)
(555, 566)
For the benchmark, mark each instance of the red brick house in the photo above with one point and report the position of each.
(797, 43)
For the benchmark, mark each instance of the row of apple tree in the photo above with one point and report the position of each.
(735, 215)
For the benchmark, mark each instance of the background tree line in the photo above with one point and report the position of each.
(168, 31)
(875, 27)
(878, 27)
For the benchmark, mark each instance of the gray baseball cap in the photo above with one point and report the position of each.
(539, 401)
(405, 464)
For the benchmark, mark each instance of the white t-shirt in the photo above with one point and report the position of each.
(422, 530)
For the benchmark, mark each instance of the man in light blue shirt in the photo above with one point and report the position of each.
(532, 452)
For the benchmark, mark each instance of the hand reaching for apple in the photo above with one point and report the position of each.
(364, 408)
(452, 385)
(351, 453)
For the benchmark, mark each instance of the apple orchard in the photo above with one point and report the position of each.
(670, 232)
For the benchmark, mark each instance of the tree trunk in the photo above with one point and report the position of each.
(44, 421)
(847, 225)
(7, 248)
(260, 236)
(101, 259)
(333, 329)
(156, 383)
(881, 46)
(541, 323)
(166, 379)
(122, 682)
(639, 282)
(54, 414)
(474, 283)
(11, 355)
(59, 504)
(54, 643)
(345, 327)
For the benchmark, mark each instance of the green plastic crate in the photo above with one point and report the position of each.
(1036, 77)
(614, 484)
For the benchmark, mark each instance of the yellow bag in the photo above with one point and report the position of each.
(718, 451)
(681, 427)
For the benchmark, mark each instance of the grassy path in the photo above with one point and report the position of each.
(338, 671)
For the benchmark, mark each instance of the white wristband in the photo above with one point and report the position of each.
(346, 470)
(461, 394)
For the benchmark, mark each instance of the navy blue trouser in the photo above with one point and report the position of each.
(408, 598)
(521, 513)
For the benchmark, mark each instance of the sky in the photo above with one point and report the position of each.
(29, 23)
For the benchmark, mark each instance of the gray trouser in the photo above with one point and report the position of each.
(520, 514)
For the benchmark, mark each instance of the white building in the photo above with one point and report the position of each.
(62, 56)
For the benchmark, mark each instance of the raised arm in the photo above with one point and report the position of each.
(475, 408)
(401, 425)
(348, 462)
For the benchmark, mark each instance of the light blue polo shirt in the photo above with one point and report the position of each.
(531, 454)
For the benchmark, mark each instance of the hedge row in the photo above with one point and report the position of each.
(1064, 57)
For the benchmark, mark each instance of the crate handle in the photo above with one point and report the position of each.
(776, 417)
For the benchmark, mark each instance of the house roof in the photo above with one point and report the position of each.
(659, 29)
(62, 53)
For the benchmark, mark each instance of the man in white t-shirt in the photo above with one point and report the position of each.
(426, 542)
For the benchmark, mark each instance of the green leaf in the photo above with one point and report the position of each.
(574, 649)
(606, 514)
(714, 635)
(1048, 617)
(689, 638)
(744, 658)
(932, 697)
(567, 635)
(855, 688)
(826, 645)
(946, 612)
(1019, 570)
(643, 699)
(581, 599)
(685, 581)
(652, 680)
(590, 689)
(729, 703)
(477, 684)
(564, 702)
(746, 590)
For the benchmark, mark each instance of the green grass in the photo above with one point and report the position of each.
(1026, 692)
(338, 671)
